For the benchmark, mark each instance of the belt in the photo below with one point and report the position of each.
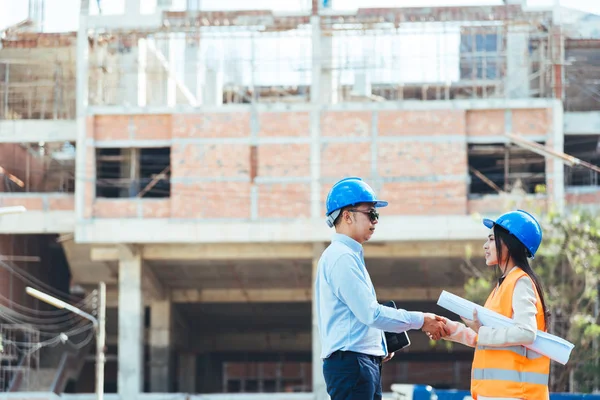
(341, 354)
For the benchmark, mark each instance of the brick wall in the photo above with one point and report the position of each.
(243, 165)
(579, 197)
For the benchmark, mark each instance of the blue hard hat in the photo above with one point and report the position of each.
(349, 191)
(522, 225)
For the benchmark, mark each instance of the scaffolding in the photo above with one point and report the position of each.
(212, 58)
(19, 356)
(215, 58)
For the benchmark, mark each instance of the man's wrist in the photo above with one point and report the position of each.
(417, 319)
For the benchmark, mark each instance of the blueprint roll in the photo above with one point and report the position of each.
(551, 346)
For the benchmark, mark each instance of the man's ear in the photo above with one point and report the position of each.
(348, 216)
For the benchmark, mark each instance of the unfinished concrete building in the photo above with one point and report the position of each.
(183, 158)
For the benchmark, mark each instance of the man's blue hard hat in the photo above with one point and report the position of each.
(523, 226)
(347, 192)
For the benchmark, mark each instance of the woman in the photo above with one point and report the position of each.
(502, 367)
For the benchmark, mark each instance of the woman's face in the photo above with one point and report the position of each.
(491, 255)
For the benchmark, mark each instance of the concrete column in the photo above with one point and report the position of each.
(518, 62)
(212, 85)
(193, 5)
(191, 69)
(131, 313)
(557, 171)
(129, 85)
(186, 373)
(315, 119)
(329, 76)
(319, 388)
(161, 346)
(192, 60)
(81, 162)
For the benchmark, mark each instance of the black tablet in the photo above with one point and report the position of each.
(395, 341)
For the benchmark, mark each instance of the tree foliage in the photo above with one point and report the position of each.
(568, 263)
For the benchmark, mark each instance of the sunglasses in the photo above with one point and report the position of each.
(373, 215)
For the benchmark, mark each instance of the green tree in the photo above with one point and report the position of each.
(568, 263)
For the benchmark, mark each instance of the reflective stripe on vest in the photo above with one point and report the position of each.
(493, 374)
(520, 350)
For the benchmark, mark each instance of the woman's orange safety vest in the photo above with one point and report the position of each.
(513, 372)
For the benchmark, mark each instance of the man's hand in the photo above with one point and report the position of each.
(388, 357)
(434, 326)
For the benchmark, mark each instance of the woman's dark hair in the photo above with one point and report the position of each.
(519, 253)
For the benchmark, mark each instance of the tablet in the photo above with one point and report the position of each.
(395, 341)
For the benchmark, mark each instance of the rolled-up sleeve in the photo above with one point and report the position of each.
(349, 284)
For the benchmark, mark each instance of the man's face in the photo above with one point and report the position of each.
(362, 218)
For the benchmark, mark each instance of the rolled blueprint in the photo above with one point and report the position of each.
(551, 346)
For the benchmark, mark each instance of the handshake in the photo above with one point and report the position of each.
(435, 326)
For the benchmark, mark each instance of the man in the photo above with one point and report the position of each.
(351, 321)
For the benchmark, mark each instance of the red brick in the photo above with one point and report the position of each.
(485, 122)
(425, 198)
(90, 163)
(346, 123)
(62, 203)
(288, 200)
(532, 121)
(151, 127)
(421, 159)
(284, 160)
(210, 200)
(32, 203)
(90, 126)
(88, 199)
(156, 208)
(210, 160)
(212, 125)
(583, 198)
(111, 127)
(427, 122)
(339, 160)
(284, 124)
(115, 208)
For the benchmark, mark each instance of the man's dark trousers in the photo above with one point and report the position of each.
(352, 376)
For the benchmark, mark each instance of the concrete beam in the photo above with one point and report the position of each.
(38, 222)
(125, 22)
(284, 295)
(391, 228)
(582, 123)
(405, 105)
(283, 251)
(33, 131)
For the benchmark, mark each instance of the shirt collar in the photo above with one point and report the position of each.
(501, 279)
(348, 241)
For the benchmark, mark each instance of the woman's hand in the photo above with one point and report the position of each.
(474, 324)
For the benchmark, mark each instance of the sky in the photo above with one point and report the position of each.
(61, 15)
